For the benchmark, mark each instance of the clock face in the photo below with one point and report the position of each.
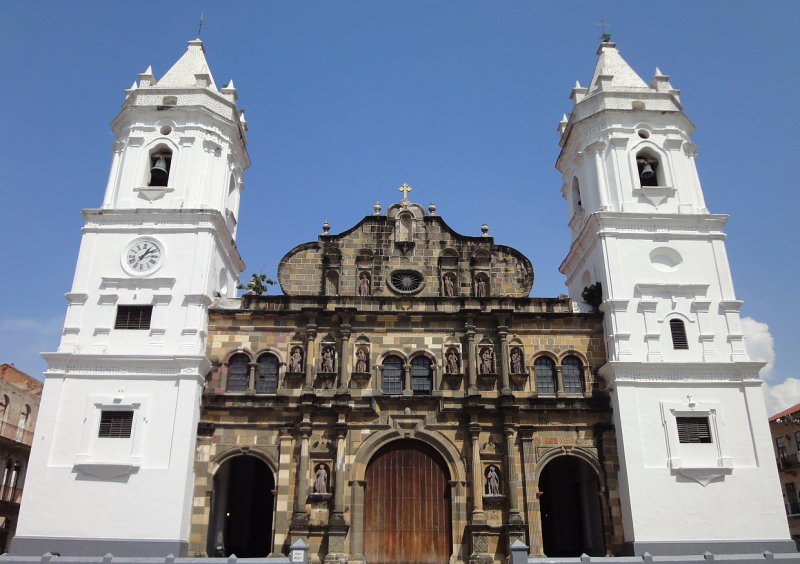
(143, 255)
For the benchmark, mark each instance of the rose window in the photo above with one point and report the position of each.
(406, 281)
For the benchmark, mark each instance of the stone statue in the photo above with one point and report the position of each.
(327, 359)
(363, 285)
(516, 361)
(449, 289)
(492, 481)
(480, 288)
(404, 227)
(453, 366)
(321, 480)
(486, 365)
(296, 364)
(361, 360)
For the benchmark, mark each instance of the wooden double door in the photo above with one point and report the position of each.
(407, 515)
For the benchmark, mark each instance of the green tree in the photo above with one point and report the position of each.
(259, 284)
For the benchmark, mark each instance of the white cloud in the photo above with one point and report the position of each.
(760, 345)
(780, 396)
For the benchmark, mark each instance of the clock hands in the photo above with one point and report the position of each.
(147, 252)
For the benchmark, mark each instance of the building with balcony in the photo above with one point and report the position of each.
(785, 430)
(19, 405)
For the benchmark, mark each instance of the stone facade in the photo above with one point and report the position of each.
(476, 413)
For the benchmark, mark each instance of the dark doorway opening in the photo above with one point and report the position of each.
(570, 508)
(407, 515)
(242, 509)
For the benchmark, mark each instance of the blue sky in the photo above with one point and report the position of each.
(348, 100)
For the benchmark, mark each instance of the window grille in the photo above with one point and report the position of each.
(267, 374)
(238, 373)
(678, 330)
(572, 375)
(133, 317)
(116, 424)
(545, 371)
(421, 375)
(693, 429)
(392, 374)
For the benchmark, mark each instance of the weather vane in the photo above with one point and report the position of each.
(605, 37)
(200, 25)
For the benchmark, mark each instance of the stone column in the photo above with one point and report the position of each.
(300, 517)
(511, 476)
(311, 356)
(251, 379)
(505, 388)
(472, 354)
(357, 518)
(407, 391)
(337, 527)
(345, 357)
(283, 488)
(478, 516)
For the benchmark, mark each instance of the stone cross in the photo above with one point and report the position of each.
(405, 189)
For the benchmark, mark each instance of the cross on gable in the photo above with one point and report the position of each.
(405, 189)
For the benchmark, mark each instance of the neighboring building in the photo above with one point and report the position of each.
(785, 430)
(19, 405)
(405, 400)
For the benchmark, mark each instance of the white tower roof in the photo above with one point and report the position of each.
(619, 74)
(185, 71)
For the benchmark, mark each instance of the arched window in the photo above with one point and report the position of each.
(392, 374)
(577, 204)
(160, 163)
(238, 372)
(678, 330)
(421, 375)
(545, 371)
(572, 375)
(267, 374)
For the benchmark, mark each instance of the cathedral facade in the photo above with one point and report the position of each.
(404, 399)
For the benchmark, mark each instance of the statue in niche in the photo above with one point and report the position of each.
(327, 359)
(516, 361)
(361, 360)
(486, 365)
(332, 283)
(363, 285)
(492, 481)
(449, 287)
(404, 228)
(480, 287)
(296, 360)
(453, 365)
(321, 479)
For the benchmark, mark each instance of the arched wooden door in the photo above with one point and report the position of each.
(407, 506)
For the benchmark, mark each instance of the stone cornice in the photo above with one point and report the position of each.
(62, 365)
(683, 372)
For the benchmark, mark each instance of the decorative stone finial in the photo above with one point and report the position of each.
(485, 230)
(326, 228)
(377, 208)
(432, 208)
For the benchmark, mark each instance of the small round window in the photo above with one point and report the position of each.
(406, 281)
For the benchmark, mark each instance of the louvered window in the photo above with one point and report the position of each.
(545, 371)
(572, 375)
(678, 330)
(421, 375)
(116, 424)
(267, 374)
(693, 429)
(392, 375)
(133, 317)
(238, 372)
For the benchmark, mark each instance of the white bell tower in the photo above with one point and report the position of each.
(112, 463)
(691, 426)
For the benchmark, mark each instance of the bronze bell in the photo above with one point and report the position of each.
(646, 171)
(159, 173)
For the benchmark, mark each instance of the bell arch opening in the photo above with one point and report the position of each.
(407, 505)
(571, 511)
(242, 509)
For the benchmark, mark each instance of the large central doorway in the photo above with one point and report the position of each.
(407, 506)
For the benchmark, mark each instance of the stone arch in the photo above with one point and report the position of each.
(657, 159)
(573, 519)
(244, 480)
